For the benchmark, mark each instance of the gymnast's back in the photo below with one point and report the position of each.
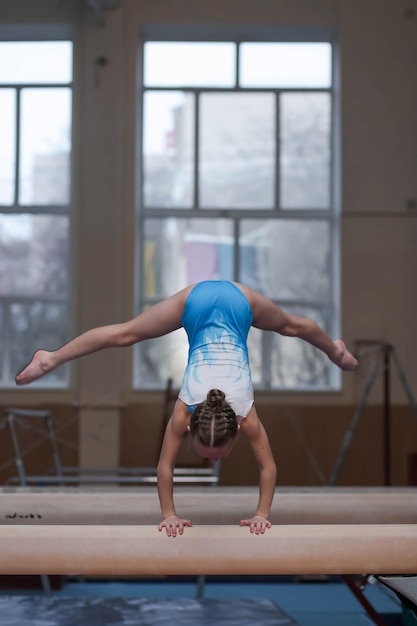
(216, 311)
(217, 317)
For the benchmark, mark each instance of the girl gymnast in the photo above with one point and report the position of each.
(216, 397)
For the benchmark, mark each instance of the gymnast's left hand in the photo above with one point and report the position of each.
(257, 524)
(174, 525)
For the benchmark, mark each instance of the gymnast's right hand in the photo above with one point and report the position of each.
(172, 524)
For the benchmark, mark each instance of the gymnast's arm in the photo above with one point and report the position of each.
(159, 320)
(259, 442)
(174, 434)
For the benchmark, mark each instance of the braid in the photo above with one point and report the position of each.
(213, 421)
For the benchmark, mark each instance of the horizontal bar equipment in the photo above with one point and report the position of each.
(210, 506)
(219, 550)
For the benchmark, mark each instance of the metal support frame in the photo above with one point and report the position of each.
(386, 351)
(12, 417)
(357, 590)
(71, 475)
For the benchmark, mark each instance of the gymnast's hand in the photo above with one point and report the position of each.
(258, 524)
(172, 524)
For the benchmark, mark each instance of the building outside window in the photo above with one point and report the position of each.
(236, 181)
(35, 200)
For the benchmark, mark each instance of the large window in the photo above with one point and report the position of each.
(235, 179)
(35, 148)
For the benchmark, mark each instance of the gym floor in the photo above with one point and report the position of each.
(309, 602)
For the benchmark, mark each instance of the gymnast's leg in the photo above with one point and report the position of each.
(159, 320)
(269, 316)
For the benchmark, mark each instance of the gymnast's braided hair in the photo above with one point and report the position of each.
(213, 422)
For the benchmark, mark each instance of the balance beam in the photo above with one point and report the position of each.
(210, 506)
(221, 550)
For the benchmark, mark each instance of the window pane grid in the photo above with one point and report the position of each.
(34, 212)
(290, 206)
(15, 157)
(39, 62)
(194, 200)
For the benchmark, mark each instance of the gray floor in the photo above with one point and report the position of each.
(61, 611)
(238, 602)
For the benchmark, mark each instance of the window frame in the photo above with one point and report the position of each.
(41, 32)
(331, 215)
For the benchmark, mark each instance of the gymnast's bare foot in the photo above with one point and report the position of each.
(344, 359)
(41, 364)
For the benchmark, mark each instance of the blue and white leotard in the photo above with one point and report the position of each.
(217, 318)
